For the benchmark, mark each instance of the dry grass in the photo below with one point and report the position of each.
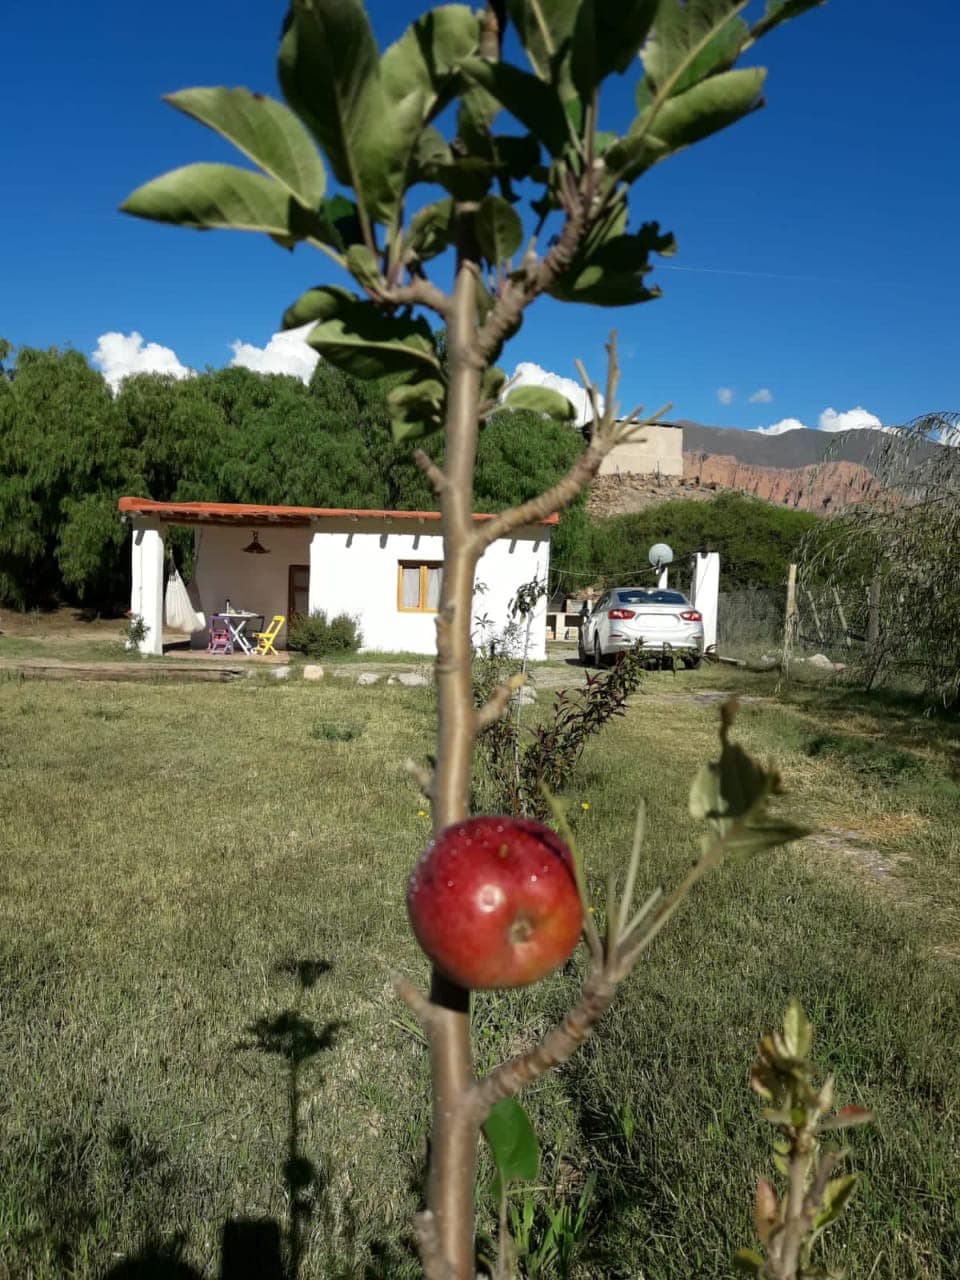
(178, 863)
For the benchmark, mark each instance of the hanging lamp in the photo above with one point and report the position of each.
(253, 547)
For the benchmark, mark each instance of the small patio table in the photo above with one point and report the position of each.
(236, 622)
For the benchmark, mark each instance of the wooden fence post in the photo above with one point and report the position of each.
(790, 618)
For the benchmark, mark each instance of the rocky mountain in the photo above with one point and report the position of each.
(816, 471)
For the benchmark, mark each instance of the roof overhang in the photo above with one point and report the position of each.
(252, 515)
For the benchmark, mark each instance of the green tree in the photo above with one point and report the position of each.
(59, 454)
(894, 561)
(377, 120)
(756, 541)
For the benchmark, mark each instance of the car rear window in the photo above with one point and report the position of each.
(651, 596)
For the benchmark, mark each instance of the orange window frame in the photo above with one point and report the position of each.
(423, 566)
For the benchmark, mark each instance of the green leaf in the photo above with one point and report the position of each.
(778, 11)
(329, 72)
(430, 154)
(426, 57)
(267, 132)
(609, 268)
(494, 381)
(689, 40)
(321, 303)
(541, 400)
(797, 1030)
(607, 36)
(731, 794)
(498, 229)
(363, 265)
(533, 102)
(416, 410)
(513, 1143)
(706, 108)
(836, 1196)
(545, 29)
(748, 1262)
(430, 230)
(364, 342)
(221, 196)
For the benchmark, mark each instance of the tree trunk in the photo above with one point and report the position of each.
(453, 1156)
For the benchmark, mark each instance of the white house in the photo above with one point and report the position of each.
(381, 567)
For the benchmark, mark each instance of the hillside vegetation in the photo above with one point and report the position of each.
(756, 542)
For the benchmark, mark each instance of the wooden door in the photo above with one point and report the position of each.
(298, 590)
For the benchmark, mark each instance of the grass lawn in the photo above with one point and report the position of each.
(202, 892)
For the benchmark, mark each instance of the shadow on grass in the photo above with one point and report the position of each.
(264, 1248)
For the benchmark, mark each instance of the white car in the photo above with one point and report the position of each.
(655, 618)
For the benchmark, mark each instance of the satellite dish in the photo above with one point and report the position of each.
(660, 554)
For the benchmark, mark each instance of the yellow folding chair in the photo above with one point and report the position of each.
(266, 637)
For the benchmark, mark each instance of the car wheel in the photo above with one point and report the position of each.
(693, 663)
(597, 652)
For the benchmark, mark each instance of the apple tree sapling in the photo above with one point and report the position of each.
(498, 217)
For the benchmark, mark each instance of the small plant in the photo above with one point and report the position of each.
(315, 636)
(515, 769)
(789, 1225)
(135, 632)
(327, 731)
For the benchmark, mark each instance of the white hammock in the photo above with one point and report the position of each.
(178, 609)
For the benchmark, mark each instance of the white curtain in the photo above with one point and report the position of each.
(433, 587)
(410, 586)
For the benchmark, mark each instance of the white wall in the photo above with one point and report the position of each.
(705, 593)
(258, 583)
(656, 450)
(146, 584)
(354, 569)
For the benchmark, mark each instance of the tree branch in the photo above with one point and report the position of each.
(416, 292)
(496, 704)
(557, 1046)
(537, 278)
(430, 469)
(608, 432)
(414, 999)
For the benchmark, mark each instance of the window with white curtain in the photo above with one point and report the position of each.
(418, 586)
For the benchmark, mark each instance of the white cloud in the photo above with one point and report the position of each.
(528, 374)
(119, 355)
(850, 420)
(778, 428)
(762, 396)
(725, 395)
(858, 419)
(284, 353)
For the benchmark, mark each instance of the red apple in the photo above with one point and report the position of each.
(493, 902)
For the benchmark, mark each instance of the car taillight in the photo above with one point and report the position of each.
(691, 615)
(620, 615)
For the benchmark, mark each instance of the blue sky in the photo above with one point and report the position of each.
(818, 241)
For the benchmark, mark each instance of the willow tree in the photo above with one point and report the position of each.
(431, 187)
(893, 559)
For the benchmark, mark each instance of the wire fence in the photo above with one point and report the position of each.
(750, 621)
(825, 621)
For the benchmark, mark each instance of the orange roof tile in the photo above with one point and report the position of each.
(245, 513)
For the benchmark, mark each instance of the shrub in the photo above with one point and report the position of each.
(313, 635)
(513, 766)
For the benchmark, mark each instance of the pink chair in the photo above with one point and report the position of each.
(220, 640)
